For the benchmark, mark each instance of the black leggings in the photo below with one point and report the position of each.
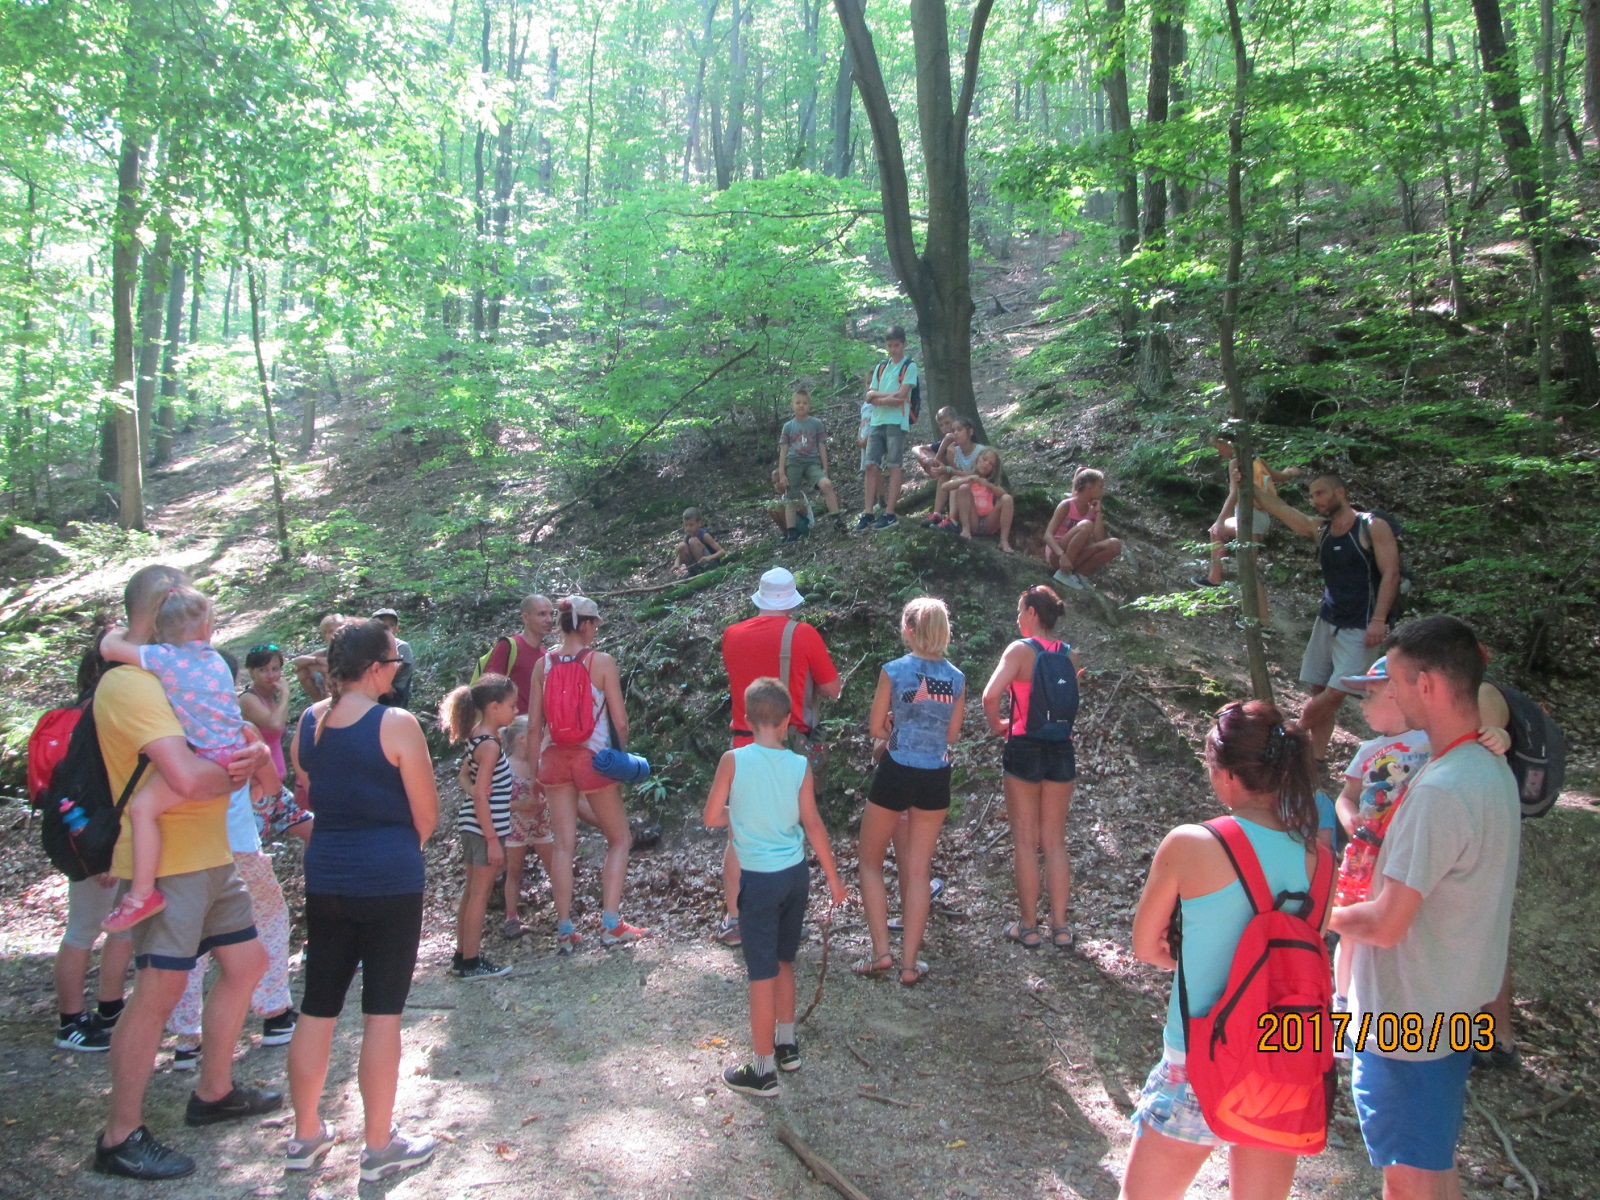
(377, 933)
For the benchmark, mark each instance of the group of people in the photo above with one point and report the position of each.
(1422, 907)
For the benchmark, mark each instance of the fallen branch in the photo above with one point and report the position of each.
(1505, 1144)
(860, 1057)
(1544, 1111)
(819, 1166)
(662, 587)
(1023, 1078)
(621, 459)
(822, 970)
(869, 1093)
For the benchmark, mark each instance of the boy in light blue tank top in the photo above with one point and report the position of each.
(764, 793)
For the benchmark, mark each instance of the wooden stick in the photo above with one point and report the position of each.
(1505, 1144)
(1020, 1078)
(819, 1166)
(866, 1091)
(860, 1057)
(822, 971)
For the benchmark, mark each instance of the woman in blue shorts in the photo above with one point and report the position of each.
(1262, 774)
(1039, 777)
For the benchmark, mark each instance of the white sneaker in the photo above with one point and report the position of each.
(1072, 580)
(404, 1150)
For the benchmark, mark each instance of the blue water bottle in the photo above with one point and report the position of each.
(74, 816)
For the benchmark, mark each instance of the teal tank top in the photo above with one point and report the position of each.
(764, 808)
(1214, 923)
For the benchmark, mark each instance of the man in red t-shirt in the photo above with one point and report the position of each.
(753, 649)
(538, 615)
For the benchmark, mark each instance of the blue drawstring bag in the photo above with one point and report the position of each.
(621, 766)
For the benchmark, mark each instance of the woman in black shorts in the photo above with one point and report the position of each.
(917, 709)
(372, 788)
(1039, 776)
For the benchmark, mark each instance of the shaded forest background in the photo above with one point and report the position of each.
(528, 236)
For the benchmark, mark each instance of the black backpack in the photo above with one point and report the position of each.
(79, 782)
(916, 388)
(1538, 754)
(1053, 703)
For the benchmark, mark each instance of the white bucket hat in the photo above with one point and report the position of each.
(777, 592)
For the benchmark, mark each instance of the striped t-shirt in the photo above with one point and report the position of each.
(499, 791)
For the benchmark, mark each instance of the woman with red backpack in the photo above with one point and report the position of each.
(1208, 1090)
(575, 708)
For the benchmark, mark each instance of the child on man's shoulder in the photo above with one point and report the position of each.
(765, 794)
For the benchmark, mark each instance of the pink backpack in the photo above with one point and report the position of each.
(568, 699)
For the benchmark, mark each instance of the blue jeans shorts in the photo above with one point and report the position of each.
(1410, 1110)
(772, 913)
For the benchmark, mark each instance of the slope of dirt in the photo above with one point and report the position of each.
(1006, 1074)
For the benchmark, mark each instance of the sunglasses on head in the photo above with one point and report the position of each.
(265, 647)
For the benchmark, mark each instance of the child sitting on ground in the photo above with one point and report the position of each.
(199, 686)
(982, 504)
(764, 792)
(700, 550)
(1075, 541)
(931, 457)
(803, 463)
(477, 715)
(530, 821)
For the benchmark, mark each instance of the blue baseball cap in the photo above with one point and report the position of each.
(1378, 672)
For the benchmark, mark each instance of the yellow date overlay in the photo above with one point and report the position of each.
(1387, 1032)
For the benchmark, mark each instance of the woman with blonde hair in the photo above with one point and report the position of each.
(917, 709)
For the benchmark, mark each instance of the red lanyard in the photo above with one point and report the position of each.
(1406, 790)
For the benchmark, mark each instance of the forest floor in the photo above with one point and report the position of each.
(1008, 1073)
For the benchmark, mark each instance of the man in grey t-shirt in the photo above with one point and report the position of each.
(1430, 945)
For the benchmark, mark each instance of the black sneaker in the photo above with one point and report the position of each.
(241, 1102)
(791, 535)
(747, 1080)
(276, 1031)
(140, 1156)
(1501, 1058)
(484, 968)
(788, 1055)
(864, 521)
(887, 521)
(84, 1032)
(185, 1060)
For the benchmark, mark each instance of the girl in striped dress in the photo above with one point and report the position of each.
(476, 715)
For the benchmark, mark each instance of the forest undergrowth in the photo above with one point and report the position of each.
(1008, 1073)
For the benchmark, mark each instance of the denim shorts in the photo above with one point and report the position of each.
(886, 447)
(1034, 760)
(1169, 1106)
(1410, 1110)
(772, 913)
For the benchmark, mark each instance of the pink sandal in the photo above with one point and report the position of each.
(130, 912)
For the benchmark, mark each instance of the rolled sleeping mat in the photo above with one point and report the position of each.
(621, 766)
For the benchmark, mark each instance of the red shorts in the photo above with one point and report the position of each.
(571, 766)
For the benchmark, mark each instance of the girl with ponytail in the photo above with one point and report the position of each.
(477, 715)
(1261, 772)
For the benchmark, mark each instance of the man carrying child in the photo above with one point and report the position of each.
(765, 794)
(803, 463)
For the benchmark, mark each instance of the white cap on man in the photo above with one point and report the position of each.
(777, 592)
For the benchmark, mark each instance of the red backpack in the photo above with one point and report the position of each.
(47, 746)
(568, 699)
(1261, 1061)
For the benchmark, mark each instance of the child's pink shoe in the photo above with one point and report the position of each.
(130, 912)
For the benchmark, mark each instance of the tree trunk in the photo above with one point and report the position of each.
(1114, 62)
(1178, 68)
(937, 280)
(691, 140)
(273, 457)
(1566, 254)
(725, 136)
(1155, 350)
(166, 417)
(152, 308)
(1240, 433)
(124, 269)
(1591, 66)
(839, 161)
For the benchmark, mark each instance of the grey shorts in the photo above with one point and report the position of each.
(205, 909)
(1331, 654)
(803, 475)
(89, 903)
(886, 447)
(474, 849)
